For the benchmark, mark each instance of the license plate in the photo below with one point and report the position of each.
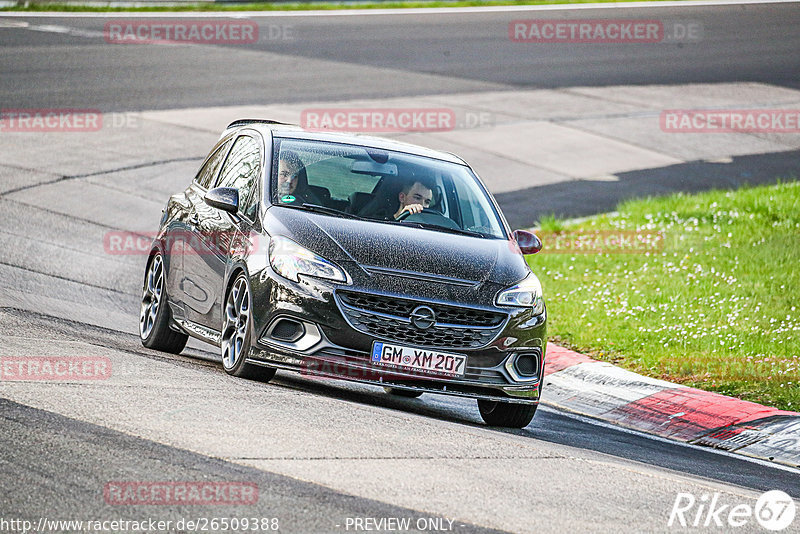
(421, 361)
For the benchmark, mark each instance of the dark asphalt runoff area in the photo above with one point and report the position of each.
(418, 54)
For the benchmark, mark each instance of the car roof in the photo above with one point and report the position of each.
(284, 130)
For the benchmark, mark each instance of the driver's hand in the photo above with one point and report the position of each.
(411, 209)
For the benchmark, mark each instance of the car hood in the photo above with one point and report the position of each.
(400, 248)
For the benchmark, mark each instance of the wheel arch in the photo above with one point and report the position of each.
(234, 272)
(154, 249)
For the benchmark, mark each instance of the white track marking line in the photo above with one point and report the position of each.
(410, 11)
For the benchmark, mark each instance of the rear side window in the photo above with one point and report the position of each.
(205, 177)
(241, 170)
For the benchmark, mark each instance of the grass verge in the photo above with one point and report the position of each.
(295, 6)
(715, 307)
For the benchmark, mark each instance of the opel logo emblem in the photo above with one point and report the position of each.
(423, 317)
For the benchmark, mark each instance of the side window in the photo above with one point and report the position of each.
(241, 170)
(208, 172)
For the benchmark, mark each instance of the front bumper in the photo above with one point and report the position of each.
(328, 344)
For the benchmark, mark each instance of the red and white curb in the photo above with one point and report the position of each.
(577, 383)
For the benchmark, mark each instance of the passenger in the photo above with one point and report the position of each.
(293, 181)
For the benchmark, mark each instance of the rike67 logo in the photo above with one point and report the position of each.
(774, 511)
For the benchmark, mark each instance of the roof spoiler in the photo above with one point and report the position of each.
(245, 122)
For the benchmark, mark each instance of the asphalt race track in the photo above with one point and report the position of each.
(324, 453)
(345, 57)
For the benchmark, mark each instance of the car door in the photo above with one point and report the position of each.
(182, 238)
(216, 231)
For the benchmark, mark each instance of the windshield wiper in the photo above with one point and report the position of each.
(431, 226)
(329, 211)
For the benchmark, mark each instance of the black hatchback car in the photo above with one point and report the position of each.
(353, 258)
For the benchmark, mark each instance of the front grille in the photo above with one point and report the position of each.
(455, 315)
(389, 318)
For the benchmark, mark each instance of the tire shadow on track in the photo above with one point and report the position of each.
(47, 328)
(63, 464)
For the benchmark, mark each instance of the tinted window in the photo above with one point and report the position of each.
(208, 172)
(241, 170)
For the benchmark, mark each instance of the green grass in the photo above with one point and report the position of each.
(717, 308)
(295, 6)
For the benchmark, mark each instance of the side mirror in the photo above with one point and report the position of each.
(223, 198)
(528, 242)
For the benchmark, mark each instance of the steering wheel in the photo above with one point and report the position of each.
(429, 216)
(405, 214)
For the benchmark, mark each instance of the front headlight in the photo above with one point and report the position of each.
(526, 294)
(290, 260)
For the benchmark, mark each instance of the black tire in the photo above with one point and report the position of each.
(155, 315)
(235, 339)
(403, 392)
(506, 414)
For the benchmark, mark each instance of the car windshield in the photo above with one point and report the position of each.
(382, 186)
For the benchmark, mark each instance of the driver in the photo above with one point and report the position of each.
(414, 197)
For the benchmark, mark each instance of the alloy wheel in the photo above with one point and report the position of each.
(237, 323)
(151, 296)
